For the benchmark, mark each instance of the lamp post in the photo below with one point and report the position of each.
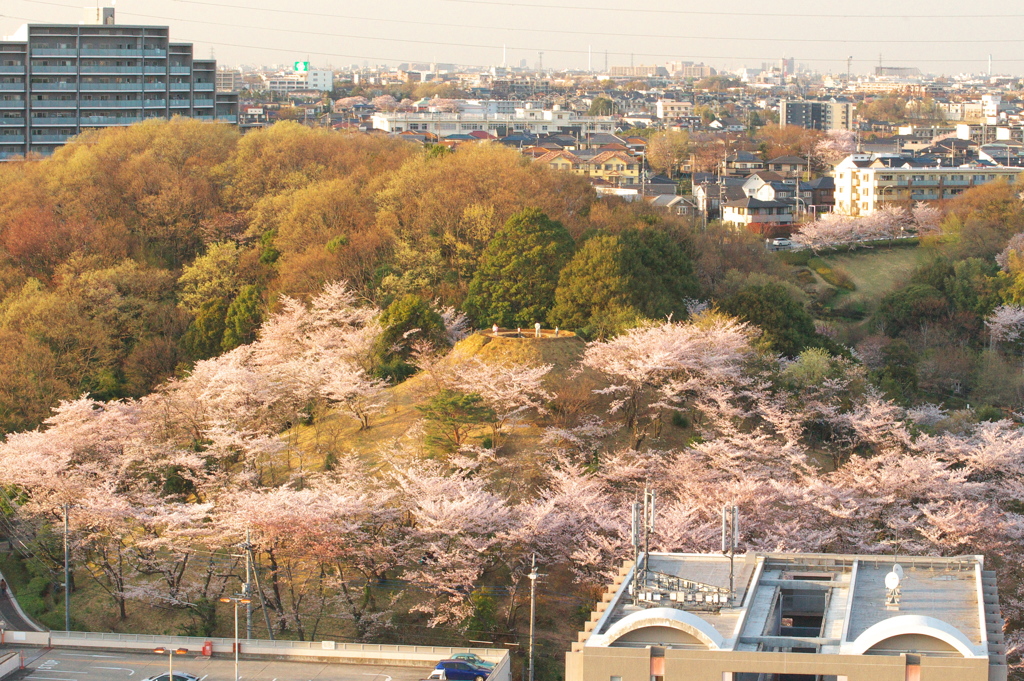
(171, 652)
(236, 600)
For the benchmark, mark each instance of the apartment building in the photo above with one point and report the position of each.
(57, 80)
(527, 119)
(824, 115)
(230, 80)
(772, 616)
(671, 109)
(866, 182)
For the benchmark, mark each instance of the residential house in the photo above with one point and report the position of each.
(769, 218)
(788, 166)
(617, 168)
(742, 164)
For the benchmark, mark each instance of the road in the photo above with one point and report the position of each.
(9, 617)
(73, 665)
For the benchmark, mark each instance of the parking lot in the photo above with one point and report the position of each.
(74, 665)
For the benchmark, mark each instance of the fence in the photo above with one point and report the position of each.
(296, 651)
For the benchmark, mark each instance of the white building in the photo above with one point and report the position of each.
(320, 79)
(864, 182)
(534, 121)
(667, 108)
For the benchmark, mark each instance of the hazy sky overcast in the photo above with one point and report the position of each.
(938, 36)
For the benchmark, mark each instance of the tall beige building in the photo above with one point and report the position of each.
(794, 617)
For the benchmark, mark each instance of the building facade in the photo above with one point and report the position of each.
(866, 182)
(57, 80)
(534, 121)
(773, 616)
(825, 115)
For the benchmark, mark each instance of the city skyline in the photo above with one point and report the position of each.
(936, 37)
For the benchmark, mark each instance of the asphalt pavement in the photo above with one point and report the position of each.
(72, 665)
(9, 617)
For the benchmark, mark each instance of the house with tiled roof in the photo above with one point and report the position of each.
(615, 167)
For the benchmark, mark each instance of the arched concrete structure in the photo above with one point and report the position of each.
(663, 617)
(912, 624)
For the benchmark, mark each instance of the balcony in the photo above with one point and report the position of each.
(70, 120)
(54, 103)
(181, 87)
(55, 87)
(11, 104)
(109, 120)
(12, 70)
(112, 86)
(228, 119)
(179, 103)
(8, 122)
(13, 87)
(7, 155)
(155, 53)
(12, 139)
(204, 118)
(176, 70)
(155, 103)
(111, 103)
(50, 139)
(156, 70)
(105, 52)
(100, 68)
(156, 86)
(204, 87)
(202, 102)
(54, 52)
(53, 69)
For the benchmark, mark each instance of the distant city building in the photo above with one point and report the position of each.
(687, 69)
(230, 80)
(866, 182)
(897, 71)
(530, 120)
(320, 79)
(817, 115)
(638, 72)
(789, 616)
(57, 80)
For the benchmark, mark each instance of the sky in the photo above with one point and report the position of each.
(942, 37)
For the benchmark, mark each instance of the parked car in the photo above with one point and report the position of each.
(779, 244)
(178, 676)
(458, 670)
(474, 659)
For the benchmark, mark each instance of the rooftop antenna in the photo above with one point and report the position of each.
(643, 527)
(730, 541)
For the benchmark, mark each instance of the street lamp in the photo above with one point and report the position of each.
(236, 600)
(171, 652)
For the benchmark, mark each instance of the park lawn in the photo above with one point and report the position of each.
(875, 272)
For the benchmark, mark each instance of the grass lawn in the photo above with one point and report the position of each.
(875, 272)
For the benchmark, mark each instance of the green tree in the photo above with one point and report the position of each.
(515, 282)
(451, 416)
(243, 317)
(405, 321)
(909, 307)
(788, 328)
(615, 280)
(204, 337)
(601, 106)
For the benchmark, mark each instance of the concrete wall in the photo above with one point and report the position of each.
(320, 651)
(9, 664)
(633, 664)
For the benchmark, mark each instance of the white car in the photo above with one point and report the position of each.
(178, 676)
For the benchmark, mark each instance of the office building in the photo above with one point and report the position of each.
(824, 115)
(777, 616)
(866, 182)
(57, 80)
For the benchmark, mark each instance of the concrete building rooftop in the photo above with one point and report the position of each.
(828, 604)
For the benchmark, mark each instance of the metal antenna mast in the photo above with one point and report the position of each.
(730, 540)
(643, 527)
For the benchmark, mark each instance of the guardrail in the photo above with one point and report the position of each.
(297, 651)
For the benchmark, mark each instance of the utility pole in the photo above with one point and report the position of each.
(533, 607)
(67, 573)
(247, 589)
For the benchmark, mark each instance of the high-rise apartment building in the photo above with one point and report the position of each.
(826, 115)
(57, 80)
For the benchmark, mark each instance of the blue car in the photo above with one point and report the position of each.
(459, 670)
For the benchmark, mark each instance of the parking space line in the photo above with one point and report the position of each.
(131, 672)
